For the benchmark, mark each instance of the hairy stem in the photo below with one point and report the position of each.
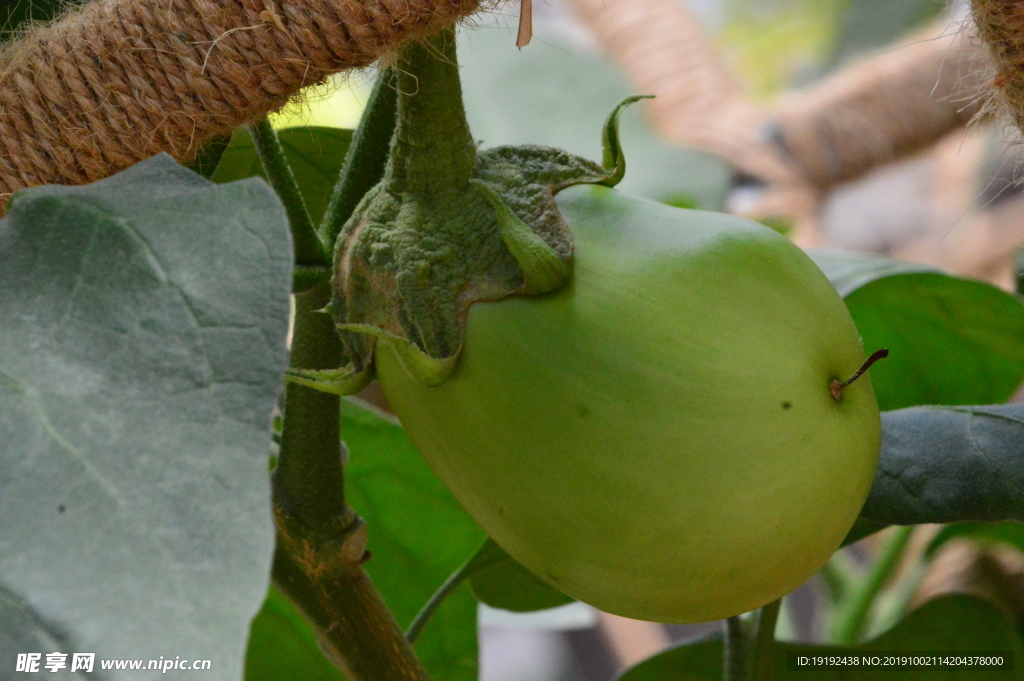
(309, 478)
(321, 542)
(366, 158)
(852, 618)
(309, 252)
(353, 625)
(432, 150)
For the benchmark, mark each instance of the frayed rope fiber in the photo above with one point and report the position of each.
(1001, 27)
(118, 81)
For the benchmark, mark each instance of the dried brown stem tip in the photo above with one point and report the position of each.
(525, 24)
(121, 80)
(837, 388)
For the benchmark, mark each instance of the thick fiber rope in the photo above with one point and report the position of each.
(1001, 27)
(118, 81)
(882, 108)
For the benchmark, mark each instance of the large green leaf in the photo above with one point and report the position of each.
(419, 535)
(506, 584)
(952, 341)
(559, 95)
(142, 343)
(283, 647)
(315, 154)
(942, 465)
(949, 624)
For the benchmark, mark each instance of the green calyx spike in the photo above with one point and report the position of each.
(421, 366)
(614, 159)
(346, 381)
(543, 269)
(449, 225)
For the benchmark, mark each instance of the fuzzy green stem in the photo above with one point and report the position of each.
(432, 150)
(366, 158)
(309, 478)
(851, 619)
(309, 252)
(321, 542)
(762, 664)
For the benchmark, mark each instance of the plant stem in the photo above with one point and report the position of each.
(454, 581)
(309, 478)
(355, 629)
(366, 158)
(487, 555)
(432, 151)
(736, 650)
(851, 620)
(763, 654)
(309, 251)
(321, 542)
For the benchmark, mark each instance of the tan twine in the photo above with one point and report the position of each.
(118, 81)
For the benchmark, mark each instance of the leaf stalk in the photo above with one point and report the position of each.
(852, 618)
(366, 158)
(309, 251)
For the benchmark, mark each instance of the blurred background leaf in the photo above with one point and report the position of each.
(778, 44)
(419, 535)
(316, 154)
(1010, 533)
(951, 340)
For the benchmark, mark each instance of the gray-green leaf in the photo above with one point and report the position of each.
(142, 344)
(943, 465)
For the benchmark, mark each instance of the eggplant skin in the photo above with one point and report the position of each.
(657, 438)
